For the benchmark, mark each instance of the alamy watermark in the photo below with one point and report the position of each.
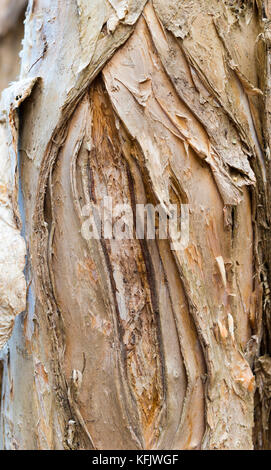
(121, 222)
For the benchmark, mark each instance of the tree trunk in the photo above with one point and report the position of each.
(129, 342)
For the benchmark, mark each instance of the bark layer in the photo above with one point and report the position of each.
(132, 344)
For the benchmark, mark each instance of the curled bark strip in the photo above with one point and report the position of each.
(12, 245)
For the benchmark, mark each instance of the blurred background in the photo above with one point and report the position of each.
(12, 13)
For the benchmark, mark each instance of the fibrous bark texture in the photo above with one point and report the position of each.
(134, 343)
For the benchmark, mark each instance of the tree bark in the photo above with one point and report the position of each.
(134, 343)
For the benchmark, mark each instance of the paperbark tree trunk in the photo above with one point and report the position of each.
(135, 343)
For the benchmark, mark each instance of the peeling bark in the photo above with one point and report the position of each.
(130, 344)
